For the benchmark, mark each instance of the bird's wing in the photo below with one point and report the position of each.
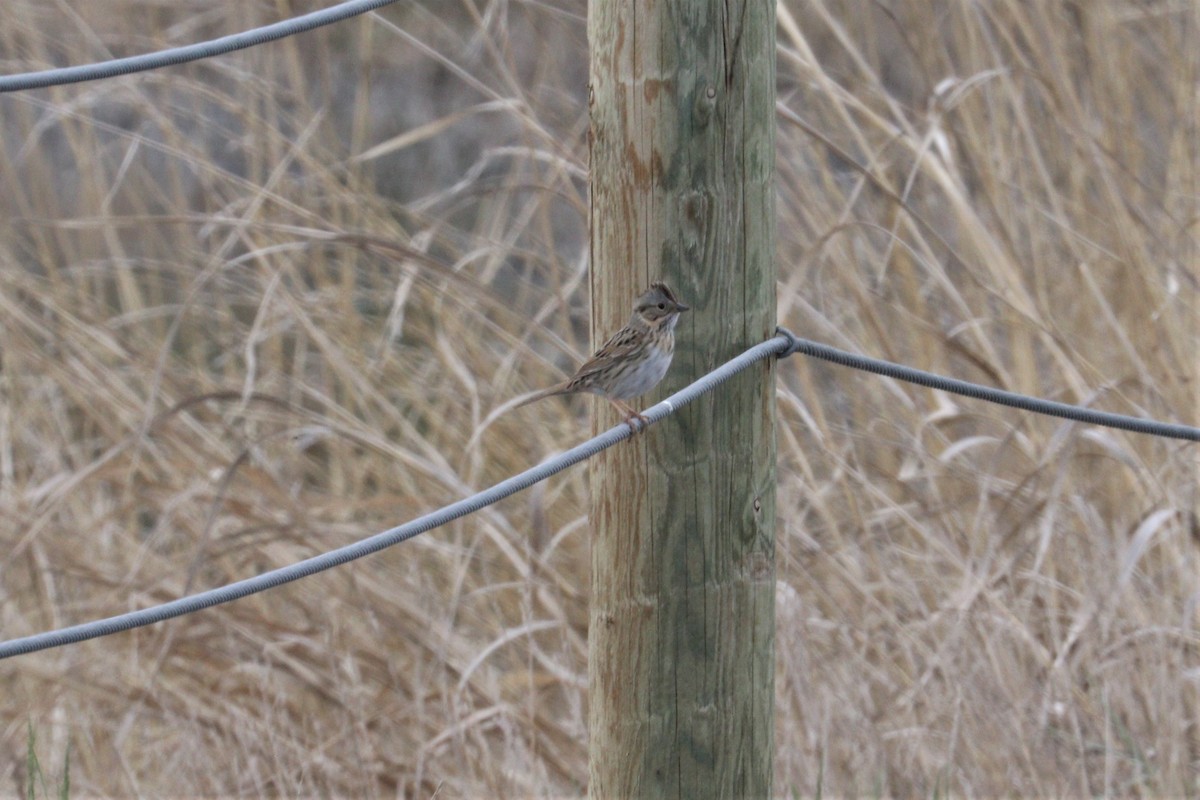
(619, 347)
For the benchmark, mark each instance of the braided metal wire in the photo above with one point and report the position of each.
(783, 344)
(191, 52)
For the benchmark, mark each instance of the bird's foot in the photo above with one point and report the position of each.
(630, 415)
(642, 422)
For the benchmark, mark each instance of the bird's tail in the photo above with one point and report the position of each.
(558, 388)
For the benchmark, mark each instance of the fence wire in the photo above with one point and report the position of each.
(191, 52)
(783, 344)
(373, 544)
(991, 394)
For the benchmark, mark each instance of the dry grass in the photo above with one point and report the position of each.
(201, 381)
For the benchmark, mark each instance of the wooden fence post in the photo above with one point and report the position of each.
(681, 640)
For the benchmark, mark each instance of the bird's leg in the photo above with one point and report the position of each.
(630, 415)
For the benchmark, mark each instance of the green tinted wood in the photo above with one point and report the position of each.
(683, 517)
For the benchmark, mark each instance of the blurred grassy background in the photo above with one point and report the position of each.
(261, 306)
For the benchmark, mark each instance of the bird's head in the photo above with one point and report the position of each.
(658, 306)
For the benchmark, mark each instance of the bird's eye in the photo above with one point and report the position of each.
(662, 306)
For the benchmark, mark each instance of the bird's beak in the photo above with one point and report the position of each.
(681, 307)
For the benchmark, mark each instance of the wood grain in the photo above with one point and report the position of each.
(681, 640)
